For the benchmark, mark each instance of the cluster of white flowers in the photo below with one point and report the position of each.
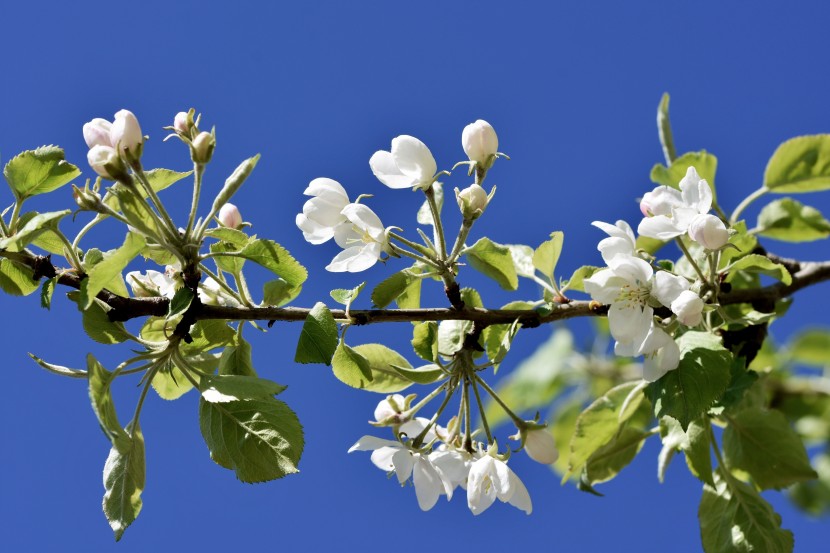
(408, 164)
(438, 463)
(113, 144)
(630, 284)
(155, 284)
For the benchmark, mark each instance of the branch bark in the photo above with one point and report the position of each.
(807, 273)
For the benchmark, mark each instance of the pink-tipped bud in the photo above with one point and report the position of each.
(480, 142)
(180, 123)
(126, 135)
(97, 132)
(203, 146)
(229, 216)
(105, 161)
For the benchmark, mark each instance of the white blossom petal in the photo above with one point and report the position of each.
(666, 287)
(368, 443)
(520, 498)
(384, 168)
(481, 492)
(428, 483)
(660, 227)
(604, 286)
(413, 158)
(403, 461)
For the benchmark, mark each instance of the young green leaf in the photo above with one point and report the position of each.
(59, 369)
(259, 439)
(124, 480)
(346, 297)
(46, 292)
(180, 302)
(522, 259)
(791, 221)
(113, 264)
(227, 388)
(576, 282)
(754, 263)
(422, 375)
(425, 340)
(495, 261)
(34, 227)
(389, 289)
(16, 280)
(801, 164)
(371, 367)
(547, 255)
(318, 339)
(350, 367)
(38, 171)
(278, 292)
(100, 380)
(159, 179)
(237, 360)
(705, 163)
(230, 235)
(276, 259)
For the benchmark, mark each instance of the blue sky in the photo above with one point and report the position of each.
(316, 88)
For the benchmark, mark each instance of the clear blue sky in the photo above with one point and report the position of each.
(317, 87)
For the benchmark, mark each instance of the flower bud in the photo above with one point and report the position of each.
(229, 216)
(480, 142)
(105, 161)
(126, 136)
(180, 123)
(203, 146)
(540, 447)
(688, 307)
(472, 201)
(97, 132)
(708, 231)
(88, 200)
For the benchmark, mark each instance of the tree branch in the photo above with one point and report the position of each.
(807, 273)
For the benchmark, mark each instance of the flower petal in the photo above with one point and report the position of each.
(633, 269)
(368, 443)
(660, 227)
(353, 260)
(629, 324)
(481, 493)
(384, 168)
(666, 287)
(413, 158)
(365, 220)
(604, 286)
(323, 185)
(403, 461)
(520, 498)
(428, 483)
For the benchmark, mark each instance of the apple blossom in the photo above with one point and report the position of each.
(661, 354)
(491, 478)
(388, 411)
(472, 201)
(97, 133)
(409, 164)
(673, 214)
(479, 141)
(709, 231)
(688, 307)
(363, 240)
(126, 135)
(151, 284)
(229, 216)
(105, 161)
(322, 213)
(539, 446)
(180, 122)
(203, 146)
(211, 293)
(621, 240)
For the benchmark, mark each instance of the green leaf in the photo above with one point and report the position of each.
(100, 380)
(346, 297)
(16, 280)
(801, 164)
(59, 369)
(170, 383)
(159, 179)
(136, 211)
(562, 427)
(522, 259)
(226, 388)
(276, 259)
(391, 288)
(208, 335)
(496, 339)
(38, 171)
(754, 263)
(371, 367)
(694, 442)
(734, 518)
(237, 360)
(811, 347)
(180, 302)
(113, 264)
(702, 377)
(48, 240)
(606, 462)
(259, 439)
(46, 292)
(97, 323)
(350, 367)
(318, 339)
(278, 292)
(547, 255)
(124, 480)
(422, 375)
(791, 221)
(425, 340)
(600, 422)
(814, 497)
(760, 443)
(230, 235)
(34, 227)
(705, 163)
(576, 282)
(230, 264)
(495, 261)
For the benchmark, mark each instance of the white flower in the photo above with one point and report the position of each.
(322, 213)
(229, 216)
(210, 293)
(673, 212)
(97, 132)
(363, 240)
(479, 141)
(408, 165)
(621, 240)
(688, 307)
(203, 146)
(391, 455)
(540, 447)
(661, 354)
(454, 466)
(491, 478)
(389, 409)
(104, 160)
(472, 201)
(126, 135)
(709, 231)
(150, 284)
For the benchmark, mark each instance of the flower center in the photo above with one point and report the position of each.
(633, 295)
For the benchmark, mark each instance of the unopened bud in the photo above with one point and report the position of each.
(229, 216)
(540, 447)
(688, 307)
(105, 161)
(126, 136)
(480, 142)
(709, 231)
(203, 146)
(181, 123)
(472, 201)
(97, 132)
(88, 200)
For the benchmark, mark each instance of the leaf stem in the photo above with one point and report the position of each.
(198, 172)
(518, 421)
(691, 259)
(745, 203)
(436, 223)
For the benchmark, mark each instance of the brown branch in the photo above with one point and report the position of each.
(123, 309)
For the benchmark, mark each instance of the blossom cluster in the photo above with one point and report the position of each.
(438, 462)
(633, 288)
